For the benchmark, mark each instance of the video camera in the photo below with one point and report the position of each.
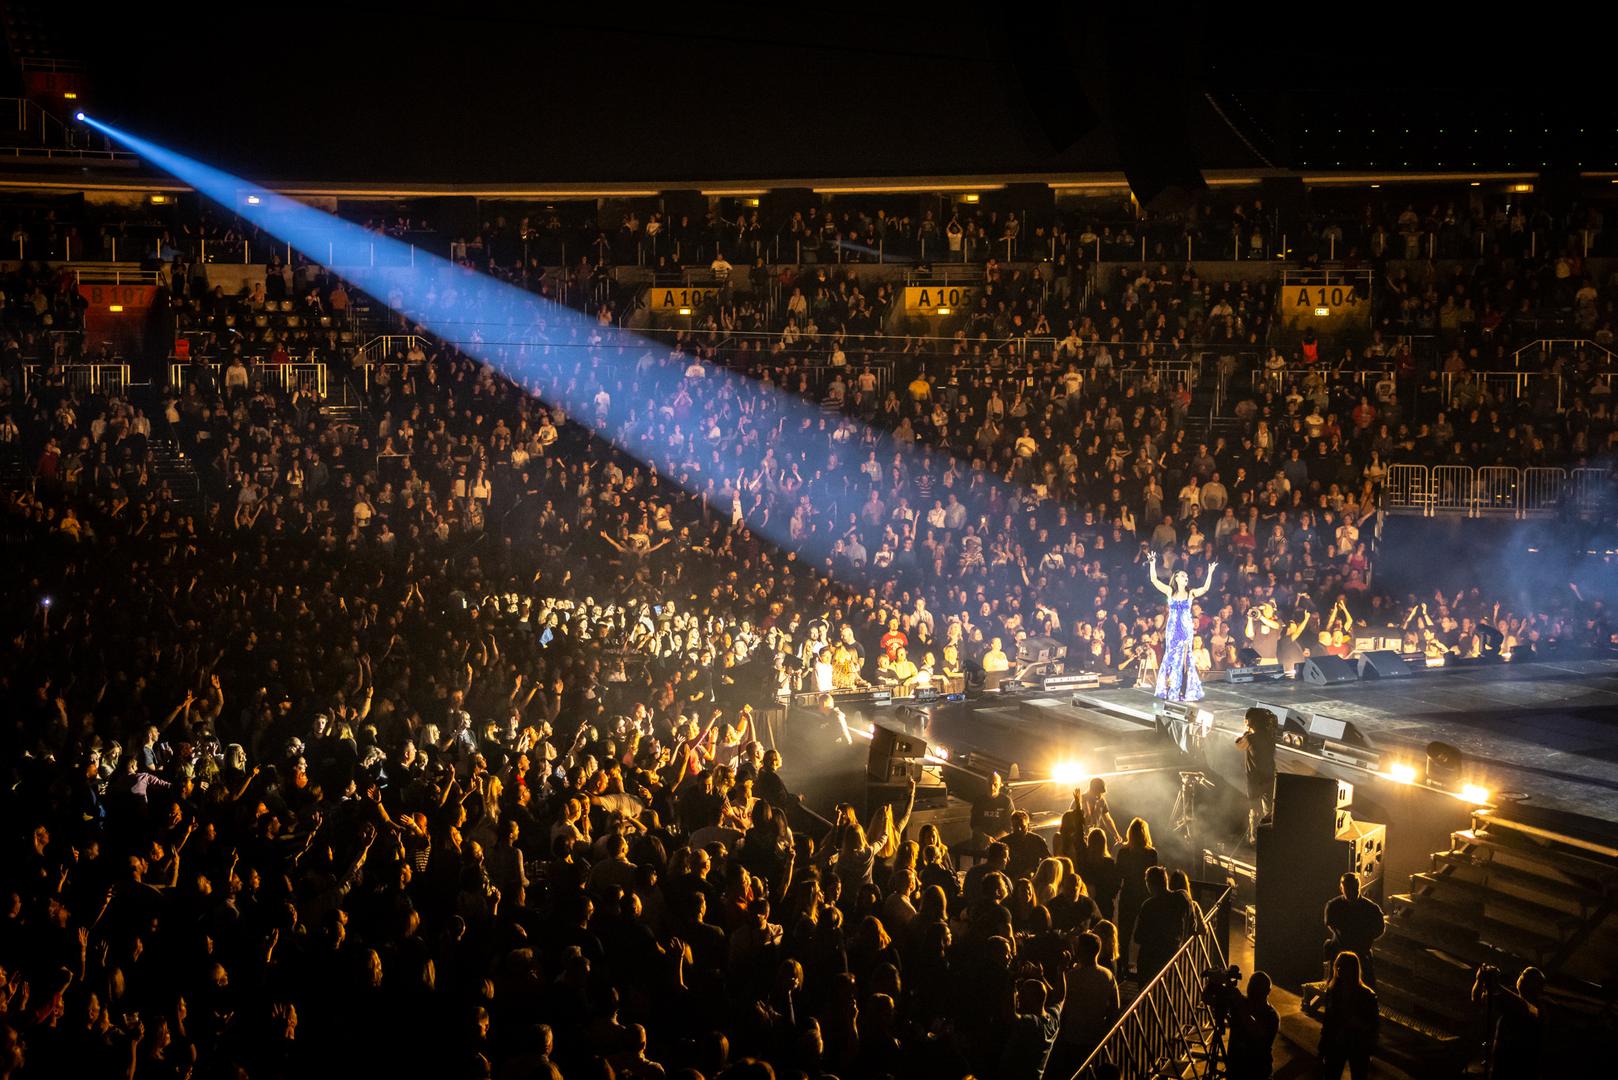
(1219, 987)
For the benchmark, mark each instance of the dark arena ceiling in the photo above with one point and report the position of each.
(534, 93)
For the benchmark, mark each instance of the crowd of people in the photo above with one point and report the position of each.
(446, 713)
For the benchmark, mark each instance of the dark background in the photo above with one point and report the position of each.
(499, 93)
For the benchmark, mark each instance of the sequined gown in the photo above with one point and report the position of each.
(1177, 678)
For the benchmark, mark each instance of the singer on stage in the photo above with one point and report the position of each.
(1177, 678)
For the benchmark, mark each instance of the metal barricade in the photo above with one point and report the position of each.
(1541, 491)
(1169, 1025)
(1452, 489)
(309, 378)
(79, 378)
(1594, 491)
(1499, 490)
(183, 372)
(1408, 490)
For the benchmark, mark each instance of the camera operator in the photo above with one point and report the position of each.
(1258, 744)
(1514, 1049)
(1253, 1027)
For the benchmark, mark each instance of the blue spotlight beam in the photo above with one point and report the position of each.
(513, 330)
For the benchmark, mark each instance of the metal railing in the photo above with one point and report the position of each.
(1497, 490)
(80, 378)
(311, 379)
(1549, 346)
(1167, 1030)
(1465, 389)
(1279, 378)
(102, 274)
(382, 348)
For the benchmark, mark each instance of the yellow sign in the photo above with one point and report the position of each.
(938, 299)
(661, 298)
(1310, 299)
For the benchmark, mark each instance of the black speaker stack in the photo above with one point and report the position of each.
(1303, 851)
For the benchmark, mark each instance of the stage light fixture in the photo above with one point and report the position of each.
(1402, 772)
(1476, 794)
(1070, 773)
(79, 117)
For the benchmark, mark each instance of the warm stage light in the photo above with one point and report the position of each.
(1070, 773)
(1473, 793)
(1402, 772)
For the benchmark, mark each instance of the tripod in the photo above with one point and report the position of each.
(1185, 803)
(1217, 1060)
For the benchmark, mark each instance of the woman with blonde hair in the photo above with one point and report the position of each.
(1134, 857)
(1107, 931)
(1047, 880)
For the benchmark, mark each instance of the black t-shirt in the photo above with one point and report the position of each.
(1260, 752)
(1355, 923)
(992, 814)
(1252, 1039)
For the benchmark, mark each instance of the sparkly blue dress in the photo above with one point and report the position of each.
(1177, 678)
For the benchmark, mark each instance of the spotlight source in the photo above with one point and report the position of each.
(1070, 773)
(79, 117)
(1476, 794)
(1402, 772)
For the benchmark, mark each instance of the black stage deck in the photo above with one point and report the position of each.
(1548, 730)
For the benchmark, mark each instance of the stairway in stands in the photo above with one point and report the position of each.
(1512, 891)
(169, 462)
(172, 466)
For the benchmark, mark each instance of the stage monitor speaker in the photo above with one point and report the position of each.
(1327, 671)
(1039, 649)
(894, 758)
(1331, 729)
(1296, 875)
(1369, 842)
(1383, 664)
(1306, 805)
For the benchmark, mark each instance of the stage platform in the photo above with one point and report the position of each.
(1548, 730)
